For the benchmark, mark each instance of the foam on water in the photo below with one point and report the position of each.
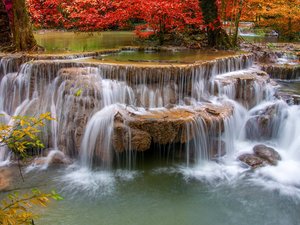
(214, 173)
(77, 179)
(92, 183)
(283, 178)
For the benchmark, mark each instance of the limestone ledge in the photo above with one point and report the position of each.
(166, 126)
(247, 87)
(282, 71)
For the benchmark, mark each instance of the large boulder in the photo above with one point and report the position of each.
(266, 153)
(252, 160)
(138, 131)
(262, 156)
(264, 123)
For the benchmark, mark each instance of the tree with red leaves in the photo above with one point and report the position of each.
(159, 17)
(163, 19)
(216, 36)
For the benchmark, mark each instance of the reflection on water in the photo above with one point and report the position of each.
(182, 56)
(58, 42)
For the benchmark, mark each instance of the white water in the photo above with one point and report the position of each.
(95, 99)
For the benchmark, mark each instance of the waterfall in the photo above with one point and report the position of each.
(288, 132)
(197, 147)
(85, 99)
(96, 143)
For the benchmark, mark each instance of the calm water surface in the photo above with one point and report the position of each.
(161, 196)
(63, 42)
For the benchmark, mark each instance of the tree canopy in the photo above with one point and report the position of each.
(280, 15)
(152, 17)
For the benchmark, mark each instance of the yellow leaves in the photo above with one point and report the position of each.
(19, 137)
(15, 209)
(280, 15)
(24, 133)
(78, 93)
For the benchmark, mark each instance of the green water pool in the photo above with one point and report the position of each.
(64, 42)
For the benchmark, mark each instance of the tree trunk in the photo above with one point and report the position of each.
(216, 36)
(237, 22)
(23, 38)
(5, 33)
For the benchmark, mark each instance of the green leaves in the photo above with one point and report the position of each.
(56, 196)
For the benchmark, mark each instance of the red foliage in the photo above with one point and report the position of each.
(89, 15)
(47, 13)
(8, 7)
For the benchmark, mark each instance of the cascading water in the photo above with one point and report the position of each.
(87, 100)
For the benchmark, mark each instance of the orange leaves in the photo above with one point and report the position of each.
(281, 15)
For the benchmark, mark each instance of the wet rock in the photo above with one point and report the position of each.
(262, 156)
(168, 126)
(282, 71)
(290, 99)
(125, 138)
(252, 160)
(5, 178)
(267, 154)
(79, 95)
(266, 57)
(259, 127)
(217, 149)
(247, 87)
(264, 124)
(53, 158)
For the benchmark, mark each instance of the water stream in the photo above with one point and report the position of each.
(159, 144)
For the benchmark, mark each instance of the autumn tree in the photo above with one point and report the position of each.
(168, 17)
(280, 15)
(216, 35)
(19, 26)
(158, 17)
(50, 13)
(5, 35)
